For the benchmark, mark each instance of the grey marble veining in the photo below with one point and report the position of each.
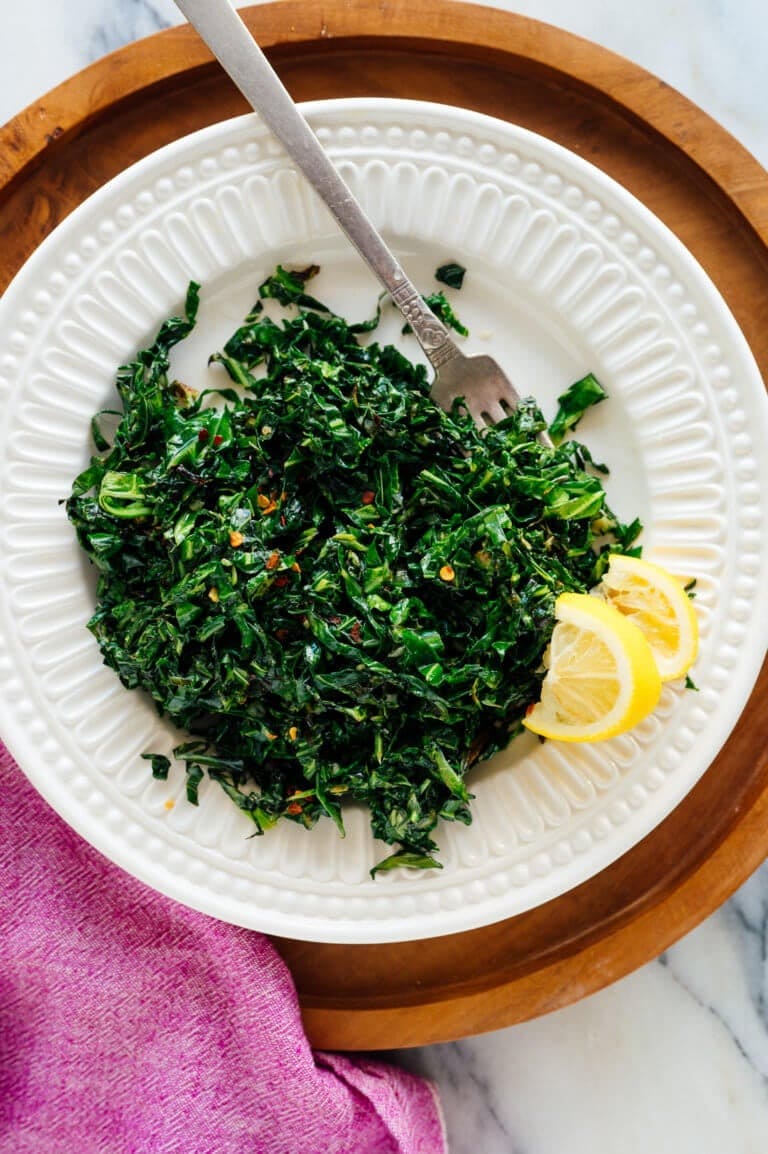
(126, 21)
(644, 1066)
(44, 41)
(722, 966)
(749, 909)
(674, 1058)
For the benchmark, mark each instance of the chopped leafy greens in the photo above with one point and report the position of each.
(573, 404)
(341, 592)
(160, 765)
(443, 309)
(451, 274)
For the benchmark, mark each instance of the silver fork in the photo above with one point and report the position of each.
(486, 390)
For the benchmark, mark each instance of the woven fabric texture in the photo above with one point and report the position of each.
(129, 1023)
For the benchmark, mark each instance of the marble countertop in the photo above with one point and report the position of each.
(674, 1058)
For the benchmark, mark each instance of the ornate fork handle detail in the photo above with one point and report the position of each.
(430, 332)
(477, 382)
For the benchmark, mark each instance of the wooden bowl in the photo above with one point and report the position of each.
(707, 189)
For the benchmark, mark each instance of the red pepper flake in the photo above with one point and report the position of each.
(266, 504)
(281, 634)
(335, 620)
(530, 709)
(294, 808)
(296, 567)
(281, 581)
(236, 538)
(273, 560)
(447, 573)
(368, 497)
(355, 632)
(218, 439)
(203, 435)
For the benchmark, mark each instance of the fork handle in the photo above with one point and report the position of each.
(221, 28)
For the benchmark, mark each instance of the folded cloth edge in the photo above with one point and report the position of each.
(130, 1022)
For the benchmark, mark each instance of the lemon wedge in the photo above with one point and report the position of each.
(601, 677)
(657, 603)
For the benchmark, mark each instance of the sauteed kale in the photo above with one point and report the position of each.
(339, 591)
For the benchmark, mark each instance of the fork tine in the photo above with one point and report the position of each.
(487, 392)
(490, 412)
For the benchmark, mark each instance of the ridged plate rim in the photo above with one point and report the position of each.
(480, 147)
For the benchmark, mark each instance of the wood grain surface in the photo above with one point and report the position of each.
(706, 188)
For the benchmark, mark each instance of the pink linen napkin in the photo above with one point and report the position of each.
(130, 1024)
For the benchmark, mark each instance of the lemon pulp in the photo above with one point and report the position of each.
(601, 677)
(657, 603)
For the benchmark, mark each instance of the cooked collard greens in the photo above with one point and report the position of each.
(339, 591)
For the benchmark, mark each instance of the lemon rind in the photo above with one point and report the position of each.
(630, 648)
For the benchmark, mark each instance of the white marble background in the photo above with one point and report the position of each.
(674, 1059)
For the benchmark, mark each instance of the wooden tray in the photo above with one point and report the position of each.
(694, 176)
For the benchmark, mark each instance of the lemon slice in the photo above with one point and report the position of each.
(657, 603)
(601, 674)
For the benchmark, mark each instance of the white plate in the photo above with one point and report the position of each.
(567, 273)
